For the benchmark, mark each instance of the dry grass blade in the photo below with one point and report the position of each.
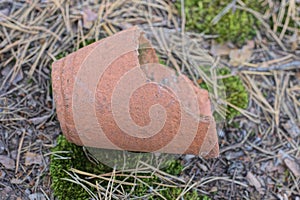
(77, 180)
(100, 177)
(260, 18)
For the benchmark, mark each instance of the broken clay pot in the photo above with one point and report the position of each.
(114, 94)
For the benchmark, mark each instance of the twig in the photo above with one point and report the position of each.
(286, 66)
(19, 151)
(235, 146)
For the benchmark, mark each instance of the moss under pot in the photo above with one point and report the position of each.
(66, 155)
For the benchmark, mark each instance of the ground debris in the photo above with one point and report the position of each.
(37, 196)
(254, 181)
(32, 158)
(7, 162)
(89, 17)
(291, 128)
(293, 166)
(240, 56)
(16, 181)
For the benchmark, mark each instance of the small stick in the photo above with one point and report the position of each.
(286, 66)
(19, 151)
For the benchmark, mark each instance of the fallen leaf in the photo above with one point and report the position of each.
(254, 181)
(293, 166)
(38, 120)
(291, 128)
(88, 18)
(240, 56)
(250, 44)
(214, 189)
(7, 162)
(219, 49)
(282, 155)
(5, 71)
(32, 158)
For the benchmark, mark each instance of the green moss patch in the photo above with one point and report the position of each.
(67, 155)
(235, 25)
(236, 93)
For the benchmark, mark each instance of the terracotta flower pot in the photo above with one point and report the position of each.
(114, 94)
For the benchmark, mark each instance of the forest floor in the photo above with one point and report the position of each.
(259, 150)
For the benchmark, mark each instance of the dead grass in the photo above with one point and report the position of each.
(33, 33)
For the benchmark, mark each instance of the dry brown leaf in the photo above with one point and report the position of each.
(7, 162)
(220, 49)
(291, 128)
(254, 181)
(38, 120)
(240, 56)
(293, 166)
(88, 18)
(32, 158)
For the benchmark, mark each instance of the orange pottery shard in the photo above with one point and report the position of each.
(114, 94)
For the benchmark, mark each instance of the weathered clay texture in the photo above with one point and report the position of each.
(114, 94)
